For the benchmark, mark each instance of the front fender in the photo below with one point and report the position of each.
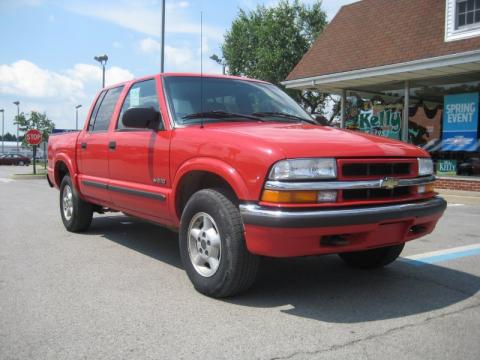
(217, 167)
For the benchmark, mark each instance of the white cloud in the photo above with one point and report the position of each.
(87, 73)
(183, 58)
(149, 46)
(145, 18)
(27, 79)
(55, 93)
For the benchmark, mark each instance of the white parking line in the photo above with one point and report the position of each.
(6, 180)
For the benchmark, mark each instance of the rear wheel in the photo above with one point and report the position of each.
(76, 213)
(374, 258)
(212, 245)
(21, 163)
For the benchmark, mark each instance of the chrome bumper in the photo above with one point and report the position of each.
(266, 216)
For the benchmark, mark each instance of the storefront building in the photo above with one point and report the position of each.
(409, 70)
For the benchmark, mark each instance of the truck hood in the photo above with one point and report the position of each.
(303, 140)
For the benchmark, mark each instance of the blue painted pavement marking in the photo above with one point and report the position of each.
(442, 255)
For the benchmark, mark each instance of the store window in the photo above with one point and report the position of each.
(375, 111)
(443, 119)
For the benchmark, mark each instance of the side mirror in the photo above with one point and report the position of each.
(141, 118)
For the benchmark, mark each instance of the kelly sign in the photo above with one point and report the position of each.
(460, 122)
(446, 167)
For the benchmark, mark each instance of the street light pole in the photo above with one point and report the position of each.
(76, 116)
(162, 50)
(3, 128)
(18, 115)
(102, 59)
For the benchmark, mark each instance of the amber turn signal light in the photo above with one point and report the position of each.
(423, 189)
(303, 196)
(289, 196)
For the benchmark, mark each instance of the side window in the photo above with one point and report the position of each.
(141, 95)
(105, 111)
(91, 122)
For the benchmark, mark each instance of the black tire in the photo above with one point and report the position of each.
(81, 211)
(237, 268)
(374, 258)
(21, 163)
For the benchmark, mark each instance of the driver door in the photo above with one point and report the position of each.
(138, 162)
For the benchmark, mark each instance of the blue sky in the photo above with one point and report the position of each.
(47, 48)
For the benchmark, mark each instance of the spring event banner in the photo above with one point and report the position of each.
(460, 122)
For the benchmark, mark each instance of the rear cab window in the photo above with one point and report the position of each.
(103, 110)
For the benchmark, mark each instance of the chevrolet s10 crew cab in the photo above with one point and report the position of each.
(241, 171)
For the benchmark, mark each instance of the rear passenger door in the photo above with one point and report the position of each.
(93, 149)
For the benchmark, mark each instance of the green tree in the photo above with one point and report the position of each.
(37, 121)
(268, 42)
(9, 137)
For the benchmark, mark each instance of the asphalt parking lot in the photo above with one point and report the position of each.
(119, 291)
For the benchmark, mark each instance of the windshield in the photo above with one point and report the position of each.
(233, 96)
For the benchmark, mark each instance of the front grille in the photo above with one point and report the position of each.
(376, 169)
(375, 194)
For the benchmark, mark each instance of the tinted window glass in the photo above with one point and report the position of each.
(95, 111)
(104, 114)
(141, 95)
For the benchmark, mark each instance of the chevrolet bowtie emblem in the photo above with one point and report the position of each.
(389, 183)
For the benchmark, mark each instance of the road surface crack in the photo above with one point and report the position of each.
(375, 336)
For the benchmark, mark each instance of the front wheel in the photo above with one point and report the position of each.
(76, 213)
(212, 245)
(374, 258)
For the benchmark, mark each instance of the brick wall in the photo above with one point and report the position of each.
(458, 184)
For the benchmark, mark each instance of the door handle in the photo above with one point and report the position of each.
(112, 145)
(83, 145)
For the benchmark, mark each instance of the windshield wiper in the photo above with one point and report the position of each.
(221, 115)
(284, 115)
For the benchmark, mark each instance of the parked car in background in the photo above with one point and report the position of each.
(470, 166)
(14, 159)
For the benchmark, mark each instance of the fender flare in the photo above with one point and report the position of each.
(71, 168)
(214, 166)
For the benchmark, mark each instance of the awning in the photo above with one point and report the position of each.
(453, 64)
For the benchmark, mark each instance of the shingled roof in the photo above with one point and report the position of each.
(373, 33)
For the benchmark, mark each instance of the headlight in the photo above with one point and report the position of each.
(304, 169)
(425, 166)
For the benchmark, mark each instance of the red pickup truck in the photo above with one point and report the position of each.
(241, 171)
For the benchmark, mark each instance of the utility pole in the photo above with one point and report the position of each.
(162, 50)
(102, 59)
(18, 115)
(76, 115)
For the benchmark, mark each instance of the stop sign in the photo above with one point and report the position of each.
(33, 137)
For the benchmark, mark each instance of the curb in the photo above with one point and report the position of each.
(29, 177)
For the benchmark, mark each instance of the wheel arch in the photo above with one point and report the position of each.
(62, 167)
(202, 173)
